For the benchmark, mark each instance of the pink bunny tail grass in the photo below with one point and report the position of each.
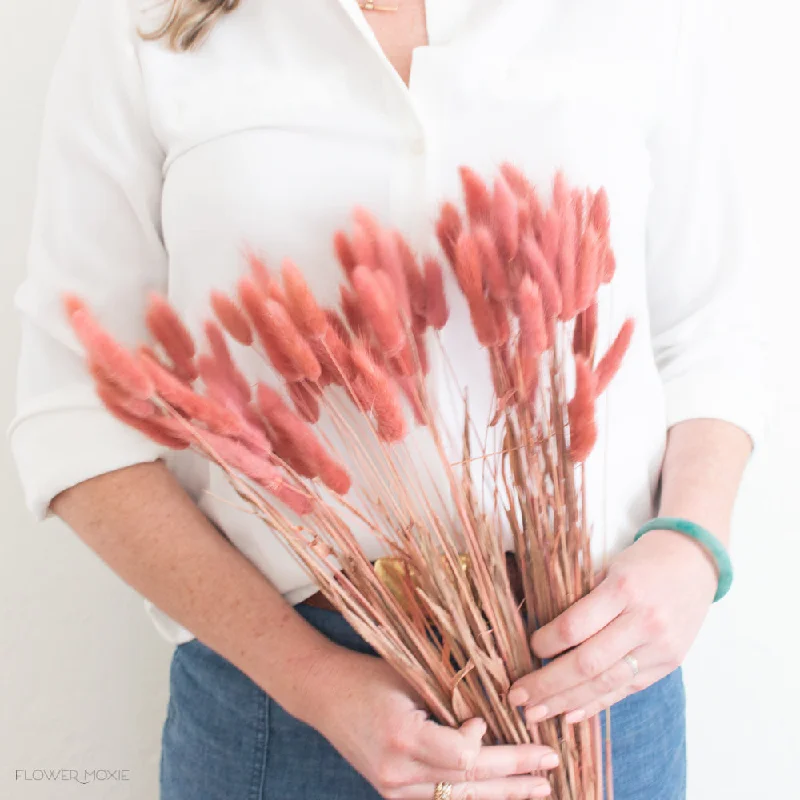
(231, 318)
(599, 213)
(364, 239)
(288, 339)
(467, 267)
(505, 219)
(72, 303)
(409, 390)
(494, 270)
(338, 324)
(436, 308)
(254, 305)
(352, 312)
(305, 401)
(610, 363)
(292, 497)
(111, 394)
(334, 356)
(414, 279)
(302, 440)
(483, 321)
(379, 311)
(236, 456)
(609, 265)
(167, 328)
(448, 229)
(422, 351)
(583, 339)
(224, 363)
(516, 180)
(157, 429)
(177, 394)
(121, 368)
(542, 274)
(344, 252)
(578, 208)
(561, 191)
(581, 412)
(533, 327)
(294, 439)
(259, 271)
(373, 391)
(551, 237)
(300, 302)
(528, 376)
(477, 197)
(391, 264)
(566, 263)
(334, 475)
(587, 277)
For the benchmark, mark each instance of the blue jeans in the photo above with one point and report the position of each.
(225, 739)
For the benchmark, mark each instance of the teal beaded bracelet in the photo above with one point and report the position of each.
(704, 538)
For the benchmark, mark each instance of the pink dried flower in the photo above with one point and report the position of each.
(300, 302)
(516, 180)
(528, 364)
(305, 401)
(216, 417)
(167, 328)
(409, 390)
(259, 271)
(505, 219)
(334, 356)
(414, 279)
(293, 498)
(236, 456)
(585, 331)
(352, 311)
(111, 394)
(609, 264)
(364, 239)
(116, 362)
(581, 412)
(501, 323)
(610, 363)
(338, 325)
(158, 429)
(373, 391)
(533, 327)
(566, 263)
(477, 198)
(344, 252)
(448, 229)
(391, 265)
(494, 270)
(587, 270)
(231, 318)
(598, 212)
(379, 310)
(467, 266)
(254, 305)
(224, 362)
(550, 237)
(72, 303)
(290, 341)
(436, 309)
(541, 272)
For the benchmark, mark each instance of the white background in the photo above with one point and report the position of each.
(83, 677)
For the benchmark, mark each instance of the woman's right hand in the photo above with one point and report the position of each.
(371, 716)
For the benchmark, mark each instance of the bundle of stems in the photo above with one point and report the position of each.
(444, 609)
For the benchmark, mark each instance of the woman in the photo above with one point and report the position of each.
(264, 122)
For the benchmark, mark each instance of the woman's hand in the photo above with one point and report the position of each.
(372, 718)
(649, 606)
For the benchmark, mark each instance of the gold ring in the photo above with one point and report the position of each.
(443, 791)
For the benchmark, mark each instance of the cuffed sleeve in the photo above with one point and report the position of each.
(96, 233)
(702, 289)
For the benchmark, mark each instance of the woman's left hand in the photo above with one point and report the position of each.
(649, 606)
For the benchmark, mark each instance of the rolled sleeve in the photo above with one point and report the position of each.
(704, 298)
(96, 233)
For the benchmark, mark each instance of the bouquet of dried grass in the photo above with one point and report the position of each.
(442, 608)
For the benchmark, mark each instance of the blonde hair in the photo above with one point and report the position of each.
(189, 21)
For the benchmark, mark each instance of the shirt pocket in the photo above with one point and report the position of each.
(224, 102)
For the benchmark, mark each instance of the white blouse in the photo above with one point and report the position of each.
(157, 167)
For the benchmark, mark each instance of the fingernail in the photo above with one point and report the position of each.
(535, 714)
(575, 716)
(518, 697)
(550, 761)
